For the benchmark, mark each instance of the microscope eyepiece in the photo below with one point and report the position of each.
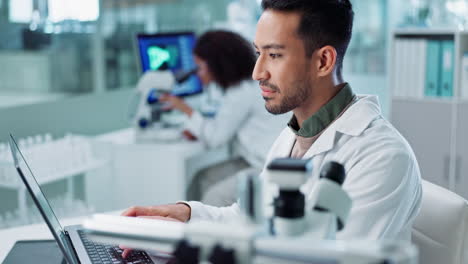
(182, 76)
(333, 171)
(291, 165)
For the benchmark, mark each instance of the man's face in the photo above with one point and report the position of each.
(282, 69)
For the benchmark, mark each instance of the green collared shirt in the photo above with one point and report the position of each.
(325, 115)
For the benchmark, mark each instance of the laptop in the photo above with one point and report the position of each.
(72, 240)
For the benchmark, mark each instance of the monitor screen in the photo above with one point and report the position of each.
(170, 51)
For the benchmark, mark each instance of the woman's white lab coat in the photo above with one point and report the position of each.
(383, 177)
(242, 117)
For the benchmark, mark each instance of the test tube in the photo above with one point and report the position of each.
(47, 137)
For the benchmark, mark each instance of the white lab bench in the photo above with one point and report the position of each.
(146, 173)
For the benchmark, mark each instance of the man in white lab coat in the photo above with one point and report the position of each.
(300, 46)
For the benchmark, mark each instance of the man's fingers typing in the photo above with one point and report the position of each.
(161, 218)
(132, 211)
(135, 211)
(126, 253)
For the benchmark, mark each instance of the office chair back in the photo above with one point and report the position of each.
(441, 229)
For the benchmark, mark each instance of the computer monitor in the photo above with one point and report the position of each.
(170, 51)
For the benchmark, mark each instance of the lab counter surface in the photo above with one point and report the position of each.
(147, 173)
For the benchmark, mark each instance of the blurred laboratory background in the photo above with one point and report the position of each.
(69, 70)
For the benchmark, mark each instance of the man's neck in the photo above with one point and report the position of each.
(310, 107)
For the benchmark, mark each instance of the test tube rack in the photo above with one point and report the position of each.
(50, 160)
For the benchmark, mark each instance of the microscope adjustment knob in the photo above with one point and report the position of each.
(152, 97)
(143, 123)
(331, 196)
(333, 171)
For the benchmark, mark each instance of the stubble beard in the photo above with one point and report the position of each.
(290, 101)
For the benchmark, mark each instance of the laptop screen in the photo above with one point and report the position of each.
(40, 200)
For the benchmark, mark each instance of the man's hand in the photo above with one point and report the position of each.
(180, 211)
(170, 212)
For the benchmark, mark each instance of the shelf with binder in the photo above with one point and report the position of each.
(428, 89)
(447, 100)
(423, 66)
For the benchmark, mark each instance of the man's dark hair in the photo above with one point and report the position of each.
(323, 22)
(230, 58)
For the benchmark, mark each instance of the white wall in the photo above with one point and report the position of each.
(86, 114)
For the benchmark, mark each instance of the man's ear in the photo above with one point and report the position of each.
(326, 60)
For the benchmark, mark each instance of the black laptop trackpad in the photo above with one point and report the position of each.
(35, 251)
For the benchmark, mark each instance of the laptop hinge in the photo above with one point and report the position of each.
(70, 245)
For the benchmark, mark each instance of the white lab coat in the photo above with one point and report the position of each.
(242, 117)
(383, 177)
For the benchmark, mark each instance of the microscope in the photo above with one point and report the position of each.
(297, 232)
(147, 112)
(329, 207)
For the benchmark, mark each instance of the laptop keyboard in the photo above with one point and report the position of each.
(106, 254)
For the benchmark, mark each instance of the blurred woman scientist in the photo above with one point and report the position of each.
(228, 60)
